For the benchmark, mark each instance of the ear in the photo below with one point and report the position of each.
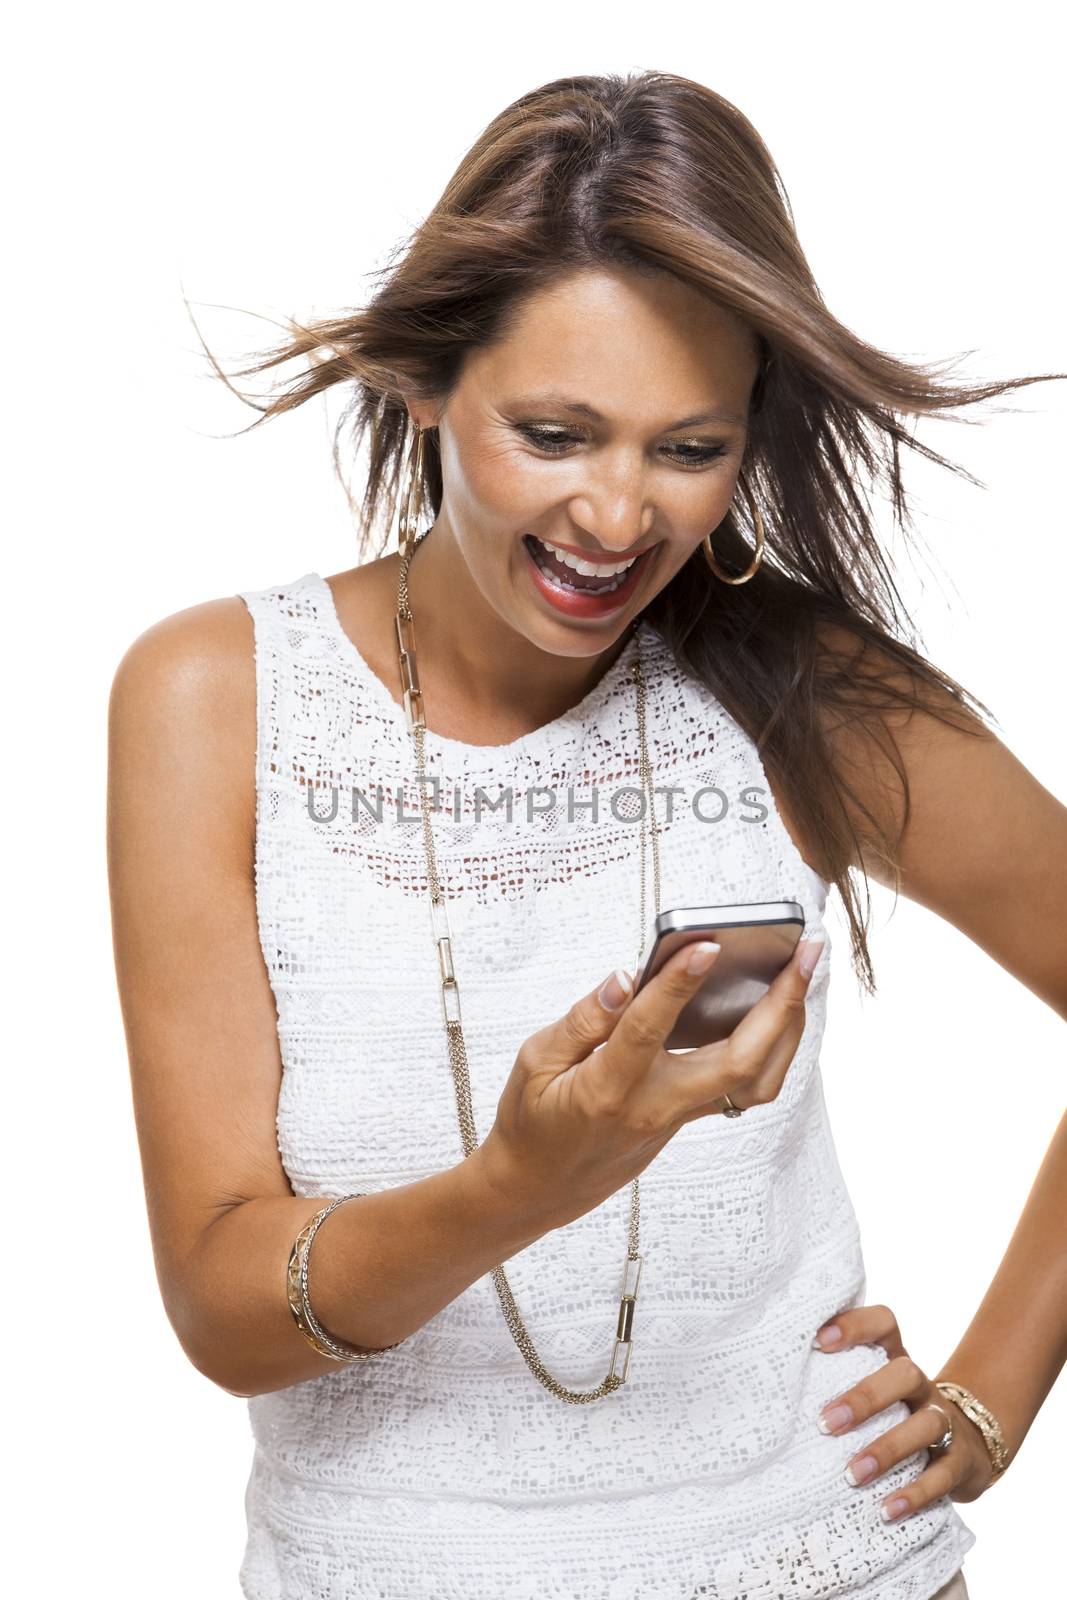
(423, 413)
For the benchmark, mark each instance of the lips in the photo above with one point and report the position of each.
(583, 603)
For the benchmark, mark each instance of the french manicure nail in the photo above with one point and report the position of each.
(858, 1472)
(701, 956)
(809, 956)
(614, 990)
(835, 1417)
(831, 1334)
(892, 1508)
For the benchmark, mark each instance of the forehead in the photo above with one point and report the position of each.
(621, 337)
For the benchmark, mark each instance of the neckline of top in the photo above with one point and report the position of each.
(587, 706)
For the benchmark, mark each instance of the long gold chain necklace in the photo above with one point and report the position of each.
(457, 1050)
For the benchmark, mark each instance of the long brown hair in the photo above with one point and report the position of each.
(653, 171)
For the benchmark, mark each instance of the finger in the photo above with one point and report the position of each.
(917, 1432)
(758, 1053)
(588, 1023)
(861, 1325)
(652, 1013)
(939, 1478)
(776, 1013)
(899, 1379)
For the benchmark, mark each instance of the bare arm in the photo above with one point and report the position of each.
(1016, 1345)
(380, 1267)
(202, 1040)
(986, 849)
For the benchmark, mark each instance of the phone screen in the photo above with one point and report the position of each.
(757, 941)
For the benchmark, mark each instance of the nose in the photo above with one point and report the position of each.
(615, 521)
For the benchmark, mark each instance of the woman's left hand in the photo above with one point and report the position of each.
(963, 1470)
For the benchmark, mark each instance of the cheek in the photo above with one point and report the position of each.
(691, 513)
(499, 487)
(493, 497)
(698, 508)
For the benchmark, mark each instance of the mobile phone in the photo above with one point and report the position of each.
(757, 941)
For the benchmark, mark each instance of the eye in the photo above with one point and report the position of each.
(700, 454)
(551, 440)
(554, 441)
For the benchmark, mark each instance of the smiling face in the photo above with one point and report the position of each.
(610, 422)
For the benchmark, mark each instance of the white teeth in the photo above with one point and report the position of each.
(557, 582)
(588, 568)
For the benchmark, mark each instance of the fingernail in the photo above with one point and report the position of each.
(809, 957)
(614, 990)
(834, 1417)
(858, 1472)
(831, 1334)
(892, 1508)
(701, 956)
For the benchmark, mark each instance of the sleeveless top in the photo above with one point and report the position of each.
(443, 1468)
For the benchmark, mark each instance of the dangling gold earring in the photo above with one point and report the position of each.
(412, 496)
(750, 571)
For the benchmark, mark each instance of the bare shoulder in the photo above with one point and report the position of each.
(980, 840)
(873, 754)
(183, 701)
(913, 737)
(190, 649)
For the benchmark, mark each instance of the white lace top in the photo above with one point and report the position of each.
(443, 1468)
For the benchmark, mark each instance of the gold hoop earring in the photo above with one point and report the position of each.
(750, 571)
(412, 497)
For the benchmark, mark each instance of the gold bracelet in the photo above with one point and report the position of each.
(296, 1283)
(984, 1421)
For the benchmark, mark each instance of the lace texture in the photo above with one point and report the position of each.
(443, 1468)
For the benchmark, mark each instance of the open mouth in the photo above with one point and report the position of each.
(603, 582)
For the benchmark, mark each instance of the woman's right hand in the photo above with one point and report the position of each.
(593, 1097)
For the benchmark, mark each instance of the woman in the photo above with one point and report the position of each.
(600, 349)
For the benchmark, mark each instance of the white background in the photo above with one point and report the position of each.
(268, 158)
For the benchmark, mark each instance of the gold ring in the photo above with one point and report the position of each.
(946, 1438)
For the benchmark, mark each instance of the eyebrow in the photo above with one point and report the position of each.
(584, 410)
